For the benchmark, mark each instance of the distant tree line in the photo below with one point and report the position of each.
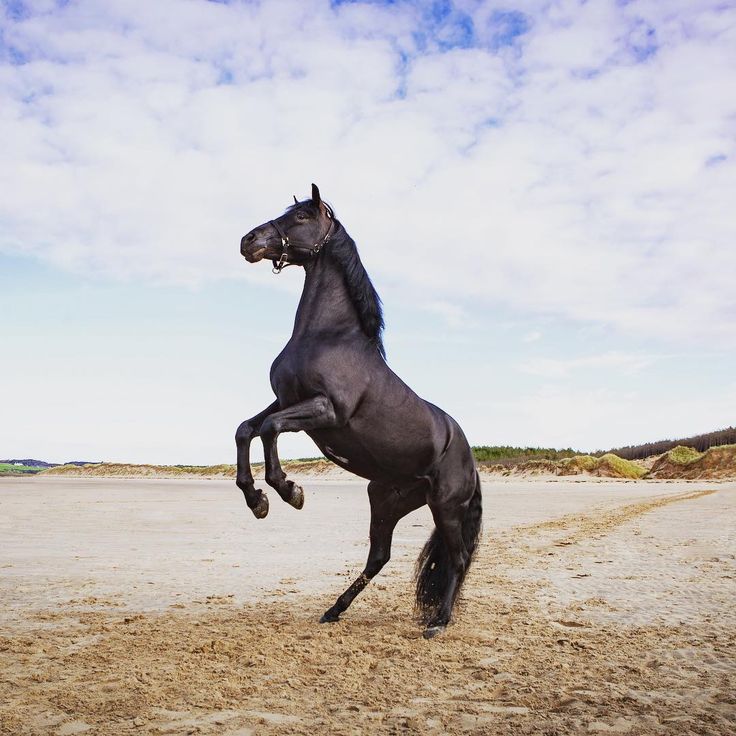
(700, 442)
(28, 463)
(507, 455)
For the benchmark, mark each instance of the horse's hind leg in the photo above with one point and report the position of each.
(449, 522)
(388, 505)
(457, 507)
(255, 498)
(315, 413)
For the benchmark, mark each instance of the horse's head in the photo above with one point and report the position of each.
(293, 238)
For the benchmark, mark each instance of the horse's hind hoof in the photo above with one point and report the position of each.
(329, 618)
(297, 496)
(431, 631)
(260, 510)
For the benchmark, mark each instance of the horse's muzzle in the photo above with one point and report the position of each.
(251, 250)
(254, 255)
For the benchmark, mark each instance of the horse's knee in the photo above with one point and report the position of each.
(374, 567)
(244, 433)
(268, 430)
(377, 563)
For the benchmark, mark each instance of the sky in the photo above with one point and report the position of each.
(542, 192)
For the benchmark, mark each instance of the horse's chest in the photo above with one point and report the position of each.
(290, 378)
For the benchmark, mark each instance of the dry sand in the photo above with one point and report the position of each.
(152, 607)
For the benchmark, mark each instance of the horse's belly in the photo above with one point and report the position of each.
(344, 453)
(375, 456)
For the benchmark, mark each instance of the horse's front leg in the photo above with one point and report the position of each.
(250, 428)
(315, 413)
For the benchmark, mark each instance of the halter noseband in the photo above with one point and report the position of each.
(312, 250)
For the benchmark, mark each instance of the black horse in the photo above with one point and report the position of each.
(332, 382)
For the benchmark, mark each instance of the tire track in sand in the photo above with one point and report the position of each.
(574, 528)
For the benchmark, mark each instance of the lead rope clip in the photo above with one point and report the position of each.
(278, 267)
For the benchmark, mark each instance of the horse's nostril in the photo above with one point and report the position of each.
(249, 237)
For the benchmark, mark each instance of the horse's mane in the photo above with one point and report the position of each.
(342, 250)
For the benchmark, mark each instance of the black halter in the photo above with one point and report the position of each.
(311, 250)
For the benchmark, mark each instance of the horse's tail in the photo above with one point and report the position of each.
(433, 566)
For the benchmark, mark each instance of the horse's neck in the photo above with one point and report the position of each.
(325, 303)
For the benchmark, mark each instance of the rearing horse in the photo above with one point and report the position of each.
(332, 382)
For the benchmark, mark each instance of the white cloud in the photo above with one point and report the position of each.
(612, 361)
(532, 336)
(583, 168)
(451, 314)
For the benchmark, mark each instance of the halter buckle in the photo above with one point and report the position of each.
(278, 267)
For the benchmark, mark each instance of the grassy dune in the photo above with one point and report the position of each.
(607, 466)
(9, 469)
(124, 470)
(685, 462)
(130, 470)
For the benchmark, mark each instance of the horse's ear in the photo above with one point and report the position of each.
(315, 194)
(296, 201)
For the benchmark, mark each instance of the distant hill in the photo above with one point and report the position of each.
(28, 463)
(699, 442)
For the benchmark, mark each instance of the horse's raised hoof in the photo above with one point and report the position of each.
(431, 631)
(260, 510)
(297, 496)
(329, 617)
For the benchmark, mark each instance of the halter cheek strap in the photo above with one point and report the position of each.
(278, 265)
(312, 250)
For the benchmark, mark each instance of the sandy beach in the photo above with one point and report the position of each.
(163, 606)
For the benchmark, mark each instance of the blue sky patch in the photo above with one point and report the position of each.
(226, 77)
(16, 9)
(718, 158)
(10, 53)
(642, 41)
(455, 32)
(507, 26)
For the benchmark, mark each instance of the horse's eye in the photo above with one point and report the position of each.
(301, 215)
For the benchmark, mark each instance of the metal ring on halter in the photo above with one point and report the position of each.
(278, 266)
